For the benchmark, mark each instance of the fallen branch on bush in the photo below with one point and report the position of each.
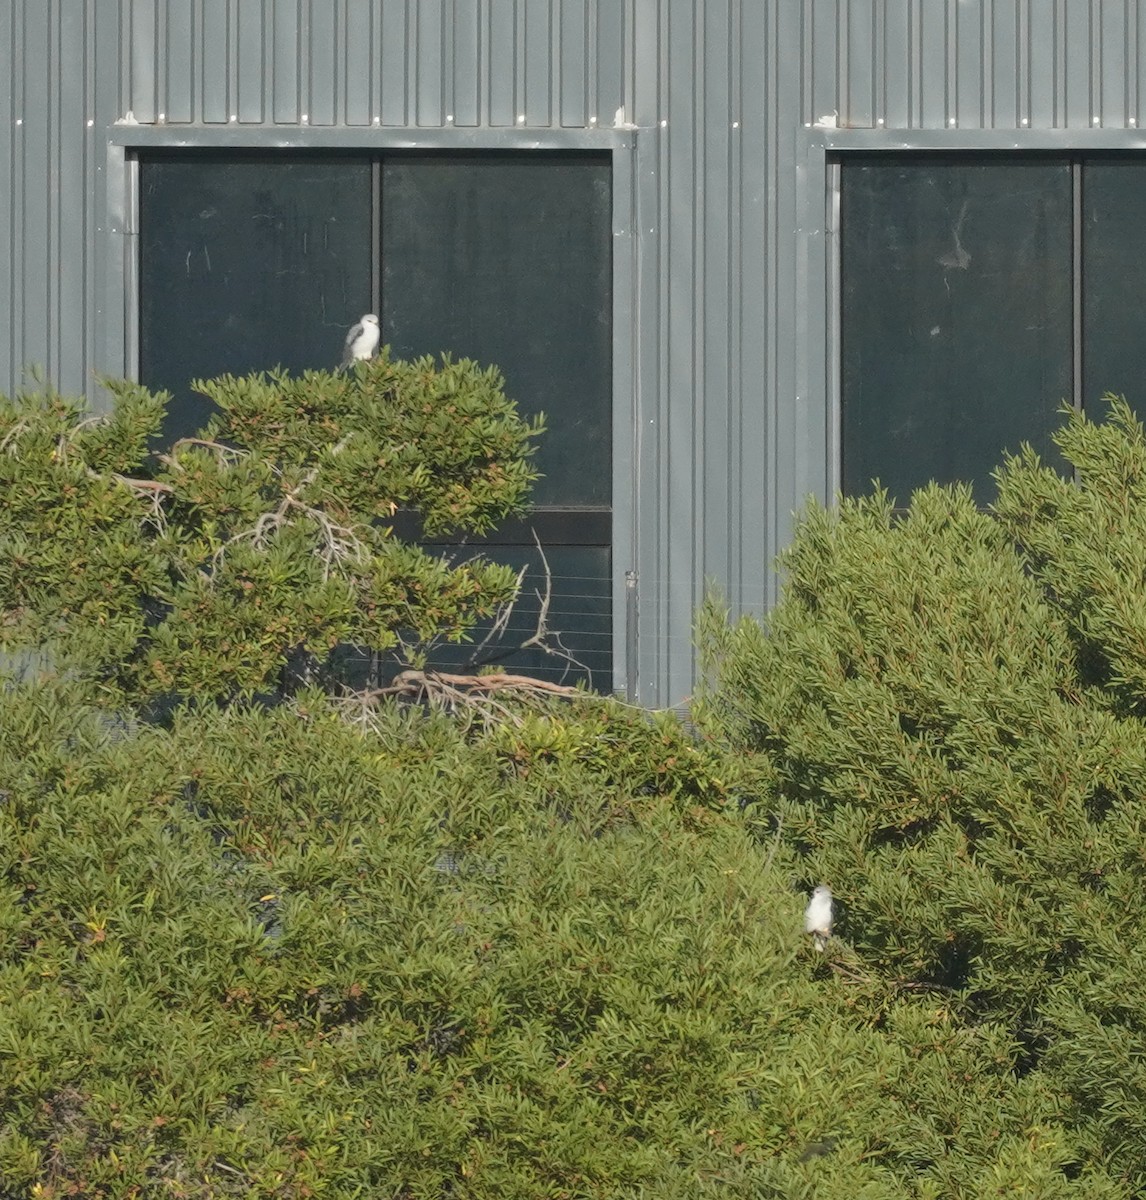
(414, 683)
(542, 638)
(476, 694)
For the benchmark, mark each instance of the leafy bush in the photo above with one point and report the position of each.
(945, 717)
(270, 954)
(274, 953)
(263, 543)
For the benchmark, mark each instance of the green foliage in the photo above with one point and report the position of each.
(943, 718)
(630, 750)
(269, 954)
(205, 571)
(1087, 547)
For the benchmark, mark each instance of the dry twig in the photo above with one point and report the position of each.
(18, 428)
(542, 638)
(475, 694)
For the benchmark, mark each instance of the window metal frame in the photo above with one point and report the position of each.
(819, 297)
(127, 143)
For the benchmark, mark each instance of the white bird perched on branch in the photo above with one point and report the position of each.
(818, 916)
(361, 341)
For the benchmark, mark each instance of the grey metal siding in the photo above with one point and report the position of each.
(416, 63)
(722, 418)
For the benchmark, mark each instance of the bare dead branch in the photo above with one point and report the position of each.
(497, 629)
(225, 454)
(475, 695)
(218, 447)
(340, 542)
(502, 681)
(153, 487)
(151, 490)
(850, 974)
(13, 433)
(542, 638)
(775, 845)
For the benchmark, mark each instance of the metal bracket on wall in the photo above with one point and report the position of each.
(632, 626)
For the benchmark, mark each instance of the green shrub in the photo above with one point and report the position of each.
(263, 543)
(944, 713)
(274, 953)
(271, 954)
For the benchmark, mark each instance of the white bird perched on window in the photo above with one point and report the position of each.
(818, 916)
(361, 341)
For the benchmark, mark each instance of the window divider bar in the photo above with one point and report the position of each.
(834, 381)
(1077, 398)
(132, 269)
(374, 667)
(376, 237)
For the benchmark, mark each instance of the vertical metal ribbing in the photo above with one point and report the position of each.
(9, 208)
(769, 305)
(1129, 64)
(52, 199)
(733, 294)
(32, 182)
(69, 246)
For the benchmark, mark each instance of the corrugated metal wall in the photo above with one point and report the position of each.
(727, 435)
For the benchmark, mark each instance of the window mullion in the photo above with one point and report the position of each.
(376, 236)
(1076, 281)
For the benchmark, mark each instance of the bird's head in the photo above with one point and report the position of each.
(370, 319)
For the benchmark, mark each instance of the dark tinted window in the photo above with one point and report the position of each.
(508, 259)
(251, 261)
(248, 263)
(1113, 267)
(576, 645)
(956, 316)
